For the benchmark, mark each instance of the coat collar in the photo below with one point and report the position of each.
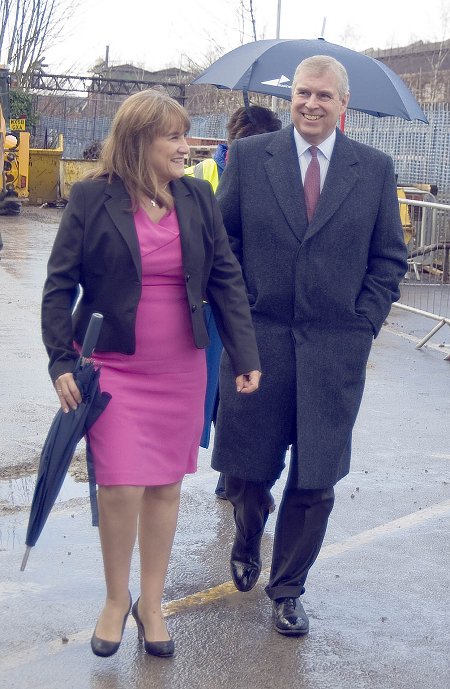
(185, 213)
(283, 169)
(118, 205)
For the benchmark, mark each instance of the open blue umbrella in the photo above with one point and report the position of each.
(268, 67)
(65, 433)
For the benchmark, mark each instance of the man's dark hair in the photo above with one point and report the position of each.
(254, 119)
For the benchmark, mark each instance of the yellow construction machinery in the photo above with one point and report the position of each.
(417, 223)
(14, 154)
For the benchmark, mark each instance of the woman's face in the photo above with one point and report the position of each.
(166, 155)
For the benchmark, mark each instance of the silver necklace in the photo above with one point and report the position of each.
(153, 202)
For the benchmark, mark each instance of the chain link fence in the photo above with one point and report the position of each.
(84, 121)
(421, 152)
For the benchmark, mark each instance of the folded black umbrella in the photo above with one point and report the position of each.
(65, 433)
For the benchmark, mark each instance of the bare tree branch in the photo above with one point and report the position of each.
(29, 28)
(252, 19)
(5, 9)
(437, 61)
(243, 13)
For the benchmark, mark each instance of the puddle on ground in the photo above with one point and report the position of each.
(17, 493)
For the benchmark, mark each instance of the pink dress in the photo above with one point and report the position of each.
(150, 432)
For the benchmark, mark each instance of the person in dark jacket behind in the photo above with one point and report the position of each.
(245, 121)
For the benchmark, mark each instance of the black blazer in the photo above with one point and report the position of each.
(96, 247)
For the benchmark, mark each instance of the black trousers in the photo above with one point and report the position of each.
(299, 533)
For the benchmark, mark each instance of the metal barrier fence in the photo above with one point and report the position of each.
(425, 290)
(421, 152)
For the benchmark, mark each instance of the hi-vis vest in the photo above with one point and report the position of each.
(206, 169)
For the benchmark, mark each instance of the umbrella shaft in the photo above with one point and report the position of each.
(25, 558)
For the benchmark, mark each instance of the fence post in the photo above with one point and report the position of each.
(445, 267)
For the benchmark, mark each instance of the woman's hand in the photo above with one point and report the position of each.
(67, 391)
(248, 382)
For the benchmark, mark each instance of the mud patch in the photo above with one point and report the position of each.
(19, 470)
(17, 484)
(78, 469)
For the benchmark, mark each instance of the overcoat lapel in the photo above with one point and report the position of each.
(283, 170)
(341, 177)
(118, 206)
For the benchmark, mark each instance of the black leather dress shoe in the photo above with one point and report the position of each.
(289, 617)
(245, 561)
(245, 574)
(104, 648)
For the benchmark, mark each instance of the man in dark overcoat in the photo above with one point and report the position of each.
(321, 276)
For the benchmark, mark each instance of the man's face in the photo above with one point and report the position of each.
(316, 105)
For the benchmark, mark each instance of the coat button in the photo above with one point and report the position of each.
(194, 308)
(188, 277)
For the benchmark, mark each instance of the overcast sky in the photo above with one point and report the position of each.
(156, 34)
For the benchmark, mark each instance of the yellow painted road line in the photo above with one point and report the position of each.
(332, 550)
(222, 590)
(365, 537)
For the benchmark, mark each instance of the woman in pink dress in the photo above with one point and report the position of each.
(148, 248)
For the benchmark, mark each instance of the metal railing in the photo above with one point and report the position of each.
(425, 290)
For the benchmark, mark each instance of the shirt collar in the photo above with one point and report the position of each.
(326, 147)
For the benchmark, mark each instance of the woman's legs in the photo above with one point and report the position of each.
(157, 524)
(119, 507)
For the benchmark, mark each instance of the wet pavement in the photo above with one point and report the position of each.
(378, 597)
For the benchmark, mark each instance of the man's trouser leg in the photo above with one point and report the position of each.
(251, 501)
(299, 533)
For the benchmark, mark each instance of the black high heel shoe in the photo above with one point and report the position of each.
(103, 648)
(164, 649)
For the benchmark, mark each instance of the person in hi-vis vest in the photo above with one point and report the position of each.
(245, 121)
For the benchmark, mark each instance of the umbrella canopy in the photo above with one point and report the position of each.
(268, 67)
(65, 432)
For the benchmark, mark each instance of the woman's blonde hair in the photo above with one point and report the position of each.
(140, 119)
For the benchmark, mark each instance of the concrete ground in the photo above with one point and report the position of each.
(378, 597)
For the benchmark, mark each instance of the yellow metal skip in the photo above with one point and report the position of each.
(44, 173)
(72, 171)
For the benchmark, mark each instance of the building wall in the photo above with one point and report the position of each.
(424, 67)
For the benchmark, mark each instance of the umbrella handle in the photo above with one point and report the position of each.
(25, 558)
(92, 333)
